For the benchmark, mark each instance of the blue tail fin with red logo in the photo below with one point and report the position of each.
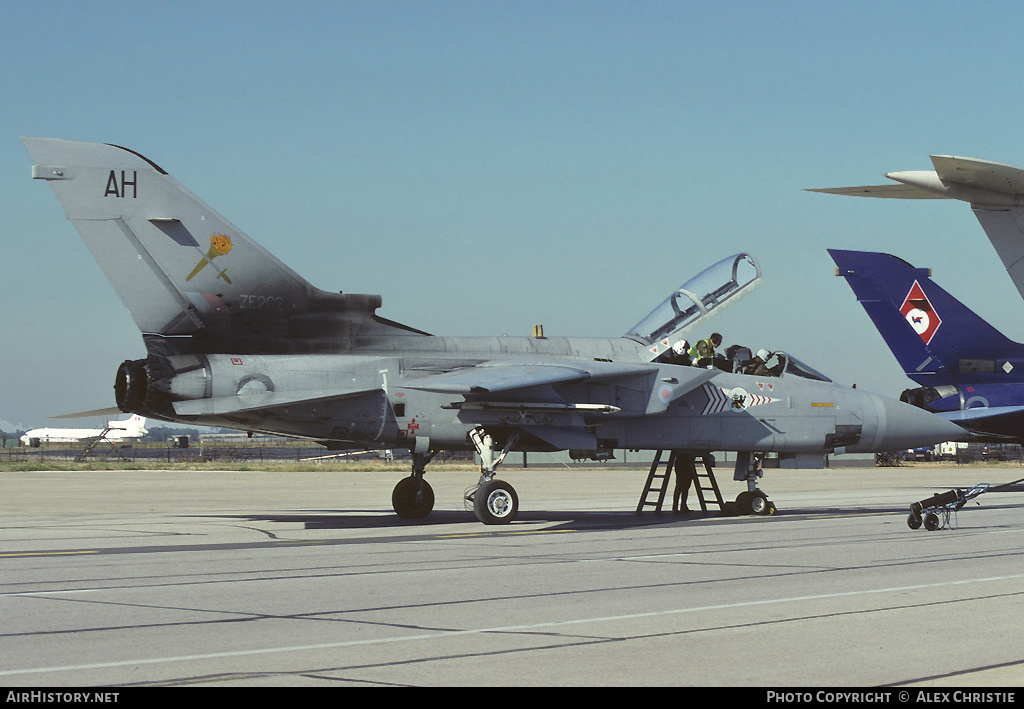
(935, 337)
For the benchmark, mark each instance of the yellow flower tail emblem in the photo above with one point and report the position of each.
(220, 244)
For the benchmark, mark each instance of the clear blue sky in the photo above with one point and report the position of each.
(488, 165)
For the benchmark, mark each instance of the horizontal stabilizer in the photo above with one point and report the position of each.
(109, 411)
(890, 191)
(980, 182)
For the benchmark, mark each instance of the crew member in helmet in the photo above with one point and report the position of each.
(679, 353)
(765, 364)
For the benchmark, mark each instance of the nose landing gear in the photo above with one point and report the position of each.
(753, 501)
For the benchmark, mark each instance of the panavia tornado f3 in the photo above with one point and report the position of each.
(237, 339)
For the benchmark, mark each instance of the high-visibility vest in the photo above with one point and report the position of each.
(702, 349)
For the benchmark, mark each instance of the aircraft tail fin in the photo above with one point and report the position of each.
(175, 262)
(180, 267)
(133, 427)
(137, 425)
(934, 336)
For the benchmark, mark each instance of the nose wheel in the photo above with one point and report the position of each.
(753, 501)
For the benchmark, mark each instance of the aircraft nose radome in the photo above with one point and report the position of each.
(907, 426)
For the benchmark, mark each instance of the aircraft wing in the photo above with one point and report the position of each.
(507, 375)
(481, 379)
(491, 385)
(548, 401)
(554, 401)
(506, 385)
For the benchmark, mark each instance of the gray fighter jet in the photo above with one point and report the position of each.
(239, 340)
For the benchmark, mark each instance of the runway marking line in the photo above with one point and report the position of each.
(470, 535)
(49, 553)
(292, 543)
(498, 629)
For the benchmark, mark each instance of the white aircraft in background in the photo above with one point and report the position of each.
(134, 427)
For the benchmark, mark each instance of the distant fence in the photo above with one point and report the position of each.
(196, 454)
(298, 452)
(219, 452)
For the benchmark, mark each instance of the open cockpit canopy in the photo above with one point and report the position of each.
(704, 295)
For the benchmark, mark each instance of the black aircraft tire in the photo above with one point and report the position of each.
(753, 502)
(412, 498)
(758, 503)
(495, 502)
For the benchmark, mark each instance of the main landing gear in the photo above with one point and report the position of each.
(413, 498)
(494, 501)
(753, 501)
